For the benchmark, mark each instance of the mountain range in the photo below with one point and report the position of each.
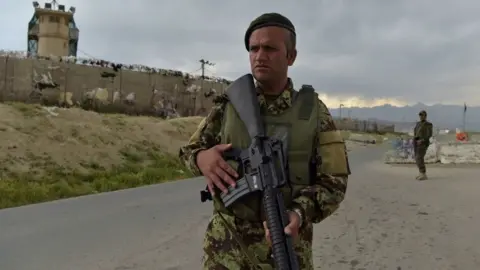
(442, 116)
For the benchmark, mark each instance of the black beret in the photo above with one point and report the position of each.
(422, 112)
(268, 19)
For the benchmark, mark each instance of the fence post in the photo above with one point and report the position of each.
(67, 69)
(4, 89)
(120, 90)
(12, 90)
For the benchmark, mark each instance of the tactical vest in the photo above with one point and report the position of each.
(297, 128)
(420, 129)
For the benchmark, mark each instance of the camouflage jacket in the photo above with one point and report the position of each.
(318, 201)
(423, 130)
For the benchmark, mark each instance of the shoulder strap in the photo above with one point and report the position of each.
(307, 97)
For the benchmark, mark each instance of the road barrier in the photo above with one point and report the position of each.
(438, 152)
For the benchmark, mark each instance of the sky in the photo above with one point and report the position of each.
(357, 53)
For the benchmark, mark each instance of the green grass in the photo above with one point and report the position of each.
(28, 110)
(140, 168)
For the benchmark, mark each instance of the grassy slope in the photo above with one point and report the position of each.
(48, 155)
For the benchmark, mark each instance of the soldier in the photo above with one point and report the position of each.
(237, 237)
(422, 132)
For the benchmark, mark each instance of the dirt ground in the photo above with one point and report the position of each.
(392, 221)
(32, 136)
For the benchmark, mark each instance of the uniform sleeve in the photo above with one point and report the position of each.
(206, 136)
(320, 200)
(428, 131)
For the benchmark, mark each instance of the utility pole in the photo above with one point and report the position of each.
(203, 63)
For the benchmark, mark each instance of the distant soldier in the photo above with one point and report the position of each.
(422, 132)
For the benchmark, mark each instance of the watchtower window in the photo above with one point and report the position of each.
(54, 19)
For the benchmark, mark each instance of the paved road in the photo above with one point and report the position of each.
(388, 221)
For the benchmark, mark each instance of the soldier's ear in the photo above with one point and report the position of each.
(291, 56)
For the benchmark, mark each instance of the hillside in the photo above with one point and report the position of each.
(48, 153)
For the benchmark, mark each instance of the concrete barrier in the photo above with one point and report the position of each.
(445, 153)
(460, 153)
(405, 155)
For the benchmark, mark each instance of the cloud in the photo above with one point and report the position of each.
(363, 52)
(335, 102)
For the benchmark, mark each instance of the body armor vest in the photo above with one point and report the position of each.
(297, 128)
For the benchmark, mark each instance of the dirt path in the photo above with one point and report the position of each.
(390, 221)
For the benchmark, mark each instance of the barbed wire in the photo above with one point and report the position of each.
(108, 64)
(87, 54)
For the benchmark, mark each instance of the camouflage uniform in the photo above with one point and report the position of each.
(318, 201)
(423, 131)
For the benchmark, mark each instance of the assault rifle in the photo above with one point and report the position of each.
(262, 168)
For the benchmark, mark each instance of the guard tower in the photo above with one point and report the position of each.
(52, 31)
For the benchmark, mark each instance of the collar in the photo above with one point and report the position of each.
(278, 104)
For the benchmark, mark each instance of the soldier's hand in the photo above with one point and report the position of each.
(292, 228)
(215, 169)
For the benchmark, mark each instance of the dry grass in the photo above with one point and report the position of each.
(51, 154)
(48, 154)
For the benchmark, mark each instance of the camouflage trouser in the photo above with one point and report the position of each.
(222, 252)
(420, 151)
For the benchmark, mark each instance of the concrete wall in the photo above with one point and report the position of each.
(78, 77)
(438, 152)
(460, 153)
(17, 75)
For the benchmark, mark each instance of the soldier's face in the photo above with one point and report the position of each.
(422, 116)
(269, 59)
